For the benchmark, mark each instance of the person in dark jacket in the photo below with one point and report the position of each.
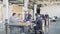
(46, 17)
(28, 17)
(38, 24)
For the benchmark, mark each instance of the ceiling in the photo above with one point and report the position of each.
(31, 1)
(38, 2)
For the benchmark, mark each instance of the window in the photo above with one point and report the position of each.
(57, 0)
(46, 0)
(52, 0)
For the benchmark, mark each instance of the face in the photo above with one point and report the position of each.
(19, 15)
(15, 16)
(29, 12)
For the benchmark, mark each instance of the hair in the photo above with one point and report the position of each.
(13, 14)
(19, 14)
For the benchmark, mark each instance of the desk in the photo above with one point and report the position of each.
(15, 24)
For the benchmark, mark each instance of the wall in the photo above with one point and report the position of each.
(17, 9)
(13, 9)
(51, 10)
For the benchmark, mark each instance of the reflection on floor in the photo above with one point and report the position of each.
(54, 28)
(1, 31)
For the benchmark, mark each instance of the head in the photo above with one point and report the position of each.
(38, 15)
(19, 14)
(28, 12)
(26, 15)
(14, 14)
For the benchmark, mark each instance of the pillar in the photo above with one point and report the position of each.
(5, 10)
(26, 5)
(35, 9)
(25, 8)
(10, 10)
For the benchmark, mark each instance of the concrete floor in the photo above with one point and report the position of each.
(1, 31)
(54, 28)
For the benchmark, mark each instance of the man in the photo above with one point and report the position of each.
(46, 18)
(13, 19)
(28, 19)
(39, 21)
(28, 16)
(38, 24)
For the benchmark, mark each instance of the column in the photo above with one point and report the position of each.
(10, 10)
(25, 8)
(35, 9)
(26, 5)
(5, 10)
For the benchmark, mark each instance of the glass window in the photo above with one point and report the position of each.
(45, 0)
(16, 1)
(52, 0)
(40, 0)
(57, 0)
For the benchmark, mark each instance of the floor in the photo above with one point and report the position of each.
(54, 28)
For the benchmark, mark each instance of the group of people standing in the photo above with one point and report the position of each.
(16, 18)
(39, 21)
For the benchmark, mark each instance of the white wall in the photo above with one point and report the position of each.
(51, 10)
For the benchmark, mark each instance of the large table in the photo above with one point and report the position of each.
(15, 24)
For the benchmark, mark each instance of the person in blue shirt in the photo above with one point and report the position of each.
(13, 19)
(28, 17)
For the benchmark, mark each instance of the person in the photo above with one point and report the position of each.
(38, 23)
(28, 16)
(46, 18)
(19, 18)
(28, 20)
(21, 27)
(13, 19)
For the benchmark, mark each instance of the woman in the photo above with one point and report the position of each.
(20, 21)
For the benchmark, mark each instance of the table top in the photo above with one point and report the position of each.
(19, 24)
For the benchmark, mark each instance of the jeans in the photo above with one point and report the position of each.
(14, 30)
(22, 28)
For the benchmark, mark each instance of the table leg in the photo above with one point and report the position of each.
(5, 28)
